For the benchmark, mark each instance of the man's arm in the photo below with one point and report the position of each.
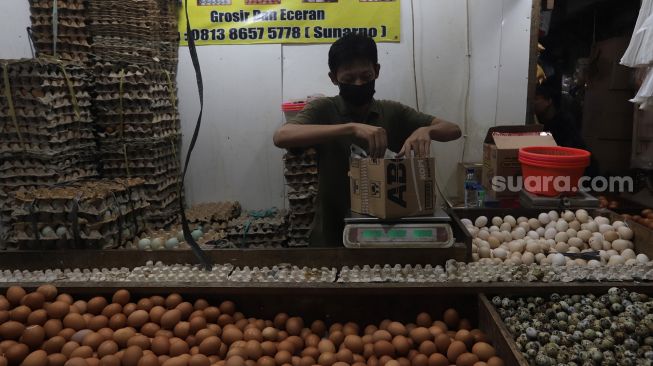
(293, 135)
(420, 141)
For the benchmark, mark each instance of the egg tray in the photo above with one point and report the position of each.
(210, 212)
(283, 273)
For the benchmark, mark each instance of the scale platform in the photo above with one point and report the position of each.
(579, 200)
(434, 231)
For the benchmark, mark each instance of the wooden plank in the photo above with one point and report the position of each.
(311, 257)
(348, 289)
(492, 324)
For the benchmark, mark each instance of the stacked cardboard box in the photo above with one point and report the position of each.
(302, 180)
(46, 136)
(95, 214)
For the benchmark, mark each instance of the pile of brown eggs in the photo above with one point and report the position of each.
(646, 218)
(44, 328)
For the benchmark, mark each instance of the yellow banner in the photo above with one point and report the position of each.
(288, 21)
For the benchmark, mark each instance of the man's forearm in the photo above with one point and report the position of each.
(443, 131)
(296, 135)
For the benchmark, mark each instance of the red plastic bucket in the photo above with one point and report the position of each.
(552, 170)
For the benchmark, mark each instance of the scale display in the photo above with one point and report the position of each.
(424, 235)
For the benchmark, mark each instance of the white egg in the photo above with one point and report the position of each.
(157, 243)
(534, 223)
(473, 230)
(616, 259)
(474, 248)
(499, 253)
(575, 224)
(539, 257)
(620, 245)
(510, 220)
(528, 258)
(518, 233)
(551, 225)
(534, 247)
(600, 220)
(631, 262)
(543, 218)
(594, 263)
(505, 227)
(572, 233)
(628, 254)
(642, 258)
(497, 260)
(603, 228)
(533, 234)
(540, 231)
(475, 257)
(480, 221)
(582, 216)
(584, 235)
(562, 247)
(576, 242)
(507, 236)
(562, 236)
(494, 228)
(625, 233)
(466, 222)
(525, 226)
(483, 234)
(550, 233)
(568, 216)
(610, 235)
(618, 224)
(573, 250)
(612, 252)
(521, 219)
(61, 232)
(607, 245)
(554, 215)
(604, 255)
(557, 259)
(483, 244)
(592, 226)
(580, 262)
(516, 246)
(562, 225)
(497, 221)
(484, 252)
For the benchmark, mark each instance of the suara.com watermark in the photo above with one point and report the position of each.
(563, 184)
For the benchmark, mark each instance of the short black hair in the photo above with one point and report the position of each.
(352, 47)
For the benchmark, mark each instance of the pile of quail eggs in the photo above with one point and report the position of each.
(612, 329)
(567, 238)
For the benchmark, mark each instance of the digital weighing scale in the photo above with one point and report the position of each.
(432, 231)
(578, 200)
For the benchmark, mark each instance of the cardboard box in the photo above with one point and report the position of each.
(501, 149)
(392, 188)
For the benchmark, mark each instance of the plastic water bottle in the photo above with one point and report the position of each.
(470, 189)
(480, 196)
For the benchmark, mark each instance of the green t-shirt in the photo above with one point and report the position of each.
(333, 201)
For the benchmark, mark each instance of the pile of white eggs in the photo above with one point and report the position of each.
(544, 239)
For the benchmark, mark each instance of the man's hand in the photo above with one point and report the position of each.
(419, 143)
(375, 137)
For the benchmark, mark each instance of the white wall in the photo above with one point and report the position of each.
(245, 86)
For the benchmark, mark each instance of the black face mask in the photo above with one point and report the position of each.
(357, 95)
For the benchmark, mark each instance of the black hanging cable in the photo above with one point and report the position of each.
(199, 253)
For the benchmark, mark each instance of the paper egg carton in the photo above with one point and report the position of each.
(210, 212)
(73, 42)
(248, 230)
(302, 178)
(90, 214)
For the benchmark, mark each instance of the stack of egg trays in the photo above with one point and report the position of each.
(213, 219)
(139, 132)
(125, 30)
(169, 35)
(48, 139)
(72, 31)
(251, 231)
(93, 214)
(302, 179)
